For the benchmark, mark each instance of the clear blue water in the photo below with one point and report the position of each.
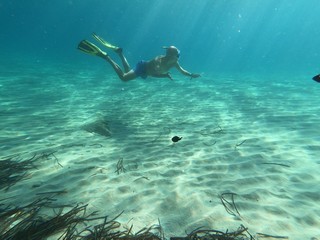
(256, 58)
(213, 36)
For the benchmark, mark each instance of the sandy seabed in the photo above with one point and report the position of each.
(256, 138)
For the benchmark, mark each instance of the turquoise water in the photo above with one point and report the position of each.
(256, 59)
(213, 36)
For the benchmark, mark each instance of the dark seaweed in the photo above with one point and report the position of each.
(13, 170)
(230, 205)
(120, 167)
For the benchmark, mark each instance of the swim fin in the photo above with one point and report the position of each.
(317, 78)
(105, 43)
(89, 48)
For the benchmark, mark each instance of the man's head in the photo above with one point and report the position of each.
(172, 51)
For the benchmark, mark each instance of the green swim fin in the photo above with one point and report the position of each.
(105, 43)
(89, 48)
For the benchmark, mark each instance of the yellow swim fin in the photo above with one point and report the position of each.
(89, 48)
(105, 43)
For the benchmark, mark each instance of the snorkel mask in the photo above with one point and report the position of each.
(172, 51)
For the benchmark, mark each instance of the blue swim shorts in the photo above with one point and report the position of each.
(141, 69)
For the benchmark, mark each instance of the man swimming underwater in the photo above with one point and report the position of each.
(157, 67)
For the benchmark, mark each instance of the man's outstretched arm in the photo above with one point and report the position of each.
(185, 72)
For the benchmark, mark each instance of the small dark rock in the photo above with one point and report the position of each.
(176, 139)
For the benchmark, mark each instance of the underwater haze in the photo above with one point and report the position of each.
(249, 125)
(213, 36)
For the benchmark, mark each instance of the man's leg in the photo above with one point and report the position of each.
(124, 61)
(129, 75)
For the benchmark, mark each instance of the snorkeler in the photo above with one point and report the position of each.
(157, 67)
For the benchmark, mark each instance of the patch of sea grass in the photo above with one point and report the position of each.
(43, 219)
(13, 170)
(33, 222)
(210, 234)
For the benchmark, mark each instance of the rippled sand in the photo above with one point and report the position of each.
(255, 137)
